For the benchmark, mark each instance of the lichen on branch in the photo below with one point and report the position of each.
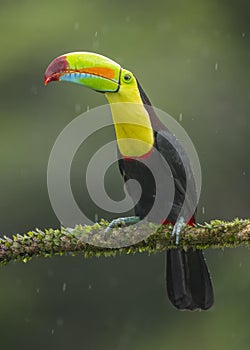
(47, 243)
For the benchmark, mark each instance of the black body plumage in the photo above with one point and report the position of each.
(188, 281)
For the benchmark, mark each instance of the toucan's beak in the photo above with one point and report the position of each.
(89, 69)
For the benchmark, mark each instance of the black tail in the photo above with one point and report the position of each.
(188, 281)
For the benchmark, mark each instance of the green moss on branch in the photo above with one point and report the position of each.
(216, 234)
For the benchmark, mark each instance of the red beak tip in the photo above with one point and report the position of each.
(55, 69)
(49, 78)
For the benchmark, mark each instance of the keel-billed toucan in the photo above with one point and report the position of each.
(188, 282)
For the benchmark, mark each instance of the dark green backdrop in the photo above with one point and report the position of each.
(192, 58)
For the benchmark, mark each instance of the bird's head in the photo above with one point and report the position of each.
(131, 119)
(93, 71)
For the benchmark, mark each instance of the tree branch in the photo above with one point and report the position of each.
(38, 243)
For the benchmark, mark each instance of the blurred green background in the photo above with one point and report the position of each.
(193, 60)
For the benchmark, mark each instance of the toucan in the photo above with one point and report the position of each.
(143, 144)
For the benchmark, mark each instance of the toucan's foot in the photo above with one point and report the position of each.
(121, 222)
(180, 223)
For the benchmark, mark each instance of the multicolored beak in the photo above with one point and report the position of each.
(89, 69)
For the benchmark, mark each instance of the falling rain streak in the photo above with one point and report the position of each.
(64, 287)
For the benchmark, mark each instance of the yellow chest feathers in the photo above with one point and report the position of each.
(132, 123)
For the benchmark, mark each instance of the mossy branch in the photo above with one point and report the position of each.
(38, 243)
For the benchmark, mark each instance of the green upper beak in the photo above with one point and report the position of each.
(86, 68)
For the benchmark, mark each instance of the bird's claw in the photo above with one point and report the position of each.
(180, 223)
(120, 222)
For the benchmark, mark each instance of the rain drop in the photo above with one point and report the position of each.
(95, 42)
(203, 210)
(87, 108)
(38, 290)
(90, 287)
(52, 331)
(243, 35)
(244, 173)
(64, 287)
(216, 66)
(96, 217)
(180, 117)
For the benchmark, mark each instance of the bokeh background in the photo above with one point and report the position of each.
(193, 60)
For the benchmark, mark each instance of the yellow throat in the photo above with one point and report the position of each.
(132, 124)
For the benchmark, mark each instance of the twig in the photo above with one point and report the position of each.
(38, 243)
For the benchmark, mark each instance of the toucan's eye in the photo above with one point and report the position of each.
(127, 78)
